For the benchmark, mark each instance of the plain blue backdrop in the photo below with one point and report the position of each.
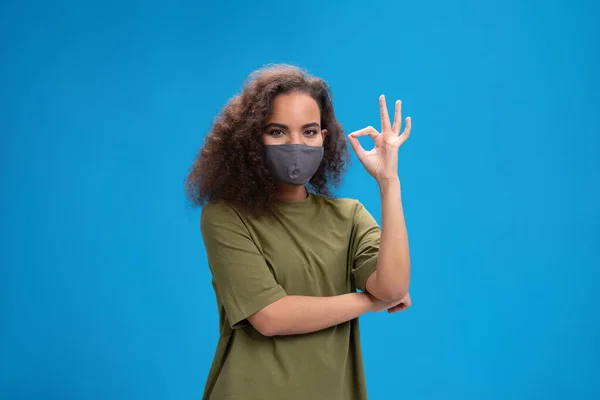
(105, 290)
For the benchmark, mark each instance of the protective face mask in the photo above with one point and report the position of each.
(293, 164)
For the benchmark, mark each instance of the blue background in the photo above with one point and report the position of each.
(105, 291)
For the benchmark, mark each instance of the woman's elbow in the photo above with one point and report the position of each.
(392, 297)
(385, 291)
(391, 294)
(264, 323)
(266, 330)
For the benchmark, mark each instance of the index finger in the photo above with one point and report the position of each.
(385, 118)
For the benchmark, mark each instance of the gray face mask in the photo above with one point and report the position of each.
(293, 164)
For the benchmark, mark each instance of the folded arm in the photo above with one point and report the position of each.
(292, 315)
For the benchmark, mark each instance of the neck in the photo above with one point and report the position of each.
(290, 193)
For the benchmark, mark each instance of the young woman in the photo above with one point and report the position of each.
(285, 256)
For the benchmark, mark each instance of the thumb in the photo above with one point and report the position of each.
(398, 307)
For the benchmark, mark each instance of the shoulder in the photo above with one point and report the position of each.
(218, 210)
(218, 214)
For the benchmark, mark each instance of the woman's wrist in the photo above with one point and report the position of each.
(374, 304)
(388, 184)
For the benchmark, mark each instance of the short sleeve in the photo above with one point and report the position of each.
(366, 235)
(244, 283)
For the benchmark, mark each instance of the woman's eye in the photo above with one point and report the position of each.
(310, 132)
(276, 132)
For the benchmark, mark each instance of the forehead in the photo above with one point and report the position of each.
(292, 107)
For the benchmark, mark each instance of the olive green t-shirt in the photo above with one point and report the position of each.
(318, 247)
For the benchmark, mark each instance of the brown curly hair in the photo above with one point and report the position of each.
(230, 165)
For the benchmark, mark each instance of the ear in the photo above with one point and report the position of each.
(323, 133)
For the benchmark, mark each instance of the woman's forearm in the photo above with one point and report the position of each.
(391, 279)
(304, 314)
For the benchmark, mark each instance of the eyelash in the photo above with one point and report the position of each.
(275, 132)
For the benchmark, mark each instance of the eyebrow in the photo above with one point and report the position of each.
(282, 126)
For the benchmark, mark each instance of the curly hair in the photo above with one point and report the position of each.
(230, 165)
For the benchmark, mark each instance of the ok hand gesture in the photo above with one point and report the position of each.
(382, 161)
